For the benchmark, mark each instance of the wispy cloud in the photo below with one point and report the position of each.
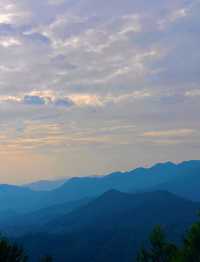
(170, 133)
(193, 93)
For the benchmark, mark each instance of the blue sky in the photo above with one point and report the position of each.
(92, 86)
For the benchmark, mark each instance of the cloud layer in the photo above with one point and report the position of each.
(99, 78)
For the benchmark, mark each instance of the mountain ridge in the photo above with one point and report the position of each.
(95, 231)
(23, 199)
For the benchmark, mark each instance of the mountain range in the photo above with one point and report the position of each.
(111, 227)
(165, 176)
(104, 218)
(45, 185)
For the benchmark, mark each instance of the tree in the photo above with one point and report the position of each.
(190, 250)
(11, 252)
(160, 249)
(163, 251)
(47, 259)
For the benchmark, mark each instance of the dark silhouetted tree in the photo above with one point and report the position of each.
(160, 250)
(190, 250)
(47, 259)
(11, 252)
(163, 251)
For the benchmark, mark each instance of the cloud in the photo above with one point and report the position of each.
(64, 102)
(11, 12)
(37, 99)
(9, 98)
(49, 97)
(169, 133)
(193, 93)
(47, 136)
(86, 100)
(173, 17)
(34, 100)
(100, 79)
(56, 2)
(172, 137)
(9, 42)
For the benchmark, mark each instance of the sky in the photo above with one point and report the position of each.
(88, 87)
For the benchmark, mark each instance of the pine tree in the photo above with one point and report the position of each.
(160, 249)
(163, 251)
(47, 259)
(11, 252)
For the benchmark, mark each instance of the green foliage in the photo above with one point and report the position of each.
(11, 252)
(190, 251)
(163, 251)
(160, 250)
(47, 259)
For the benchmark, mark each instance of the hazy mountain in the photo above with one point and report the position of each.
(114, 204)
(45, 185)
(140, 179)
(14, 224)
(18, 199)
(187, 183)
(112, 227)
(167, 176)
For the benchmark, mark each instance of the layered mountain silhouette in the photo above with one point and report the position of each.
(104, 218)
(14, 224)
(111, 227)
(114, 207)
(45, 185)
(181, 179)
(186, 183)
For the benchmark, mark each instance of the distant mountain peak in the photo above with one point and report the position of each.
(191, 163)
(164, 165)
(113, 192)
